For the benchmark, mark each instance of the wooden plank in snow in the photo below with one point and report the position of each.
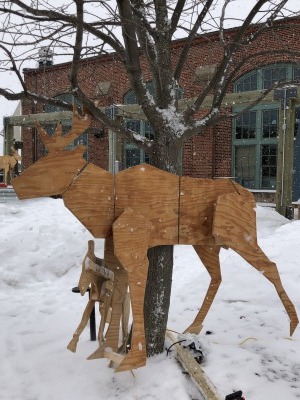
(195, 371)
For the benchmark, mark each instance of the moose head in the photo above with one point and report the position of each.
(53, 173)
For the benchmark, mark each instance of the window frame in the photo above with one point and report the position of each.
(292, 70)
(258, 141)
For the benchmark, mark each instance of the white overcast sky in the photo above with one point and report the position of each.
(237, 9)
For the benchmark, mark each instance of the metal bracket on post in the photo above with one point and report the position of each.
(285, 94)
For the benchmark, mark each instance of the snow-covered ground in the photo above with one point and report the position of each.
(42, 246)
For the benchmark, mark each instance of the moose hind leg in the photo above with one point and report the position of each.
(235, 226)
(210, 259)
(257, 258)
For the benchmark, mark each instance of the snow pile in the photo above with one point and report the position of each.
(42, 247)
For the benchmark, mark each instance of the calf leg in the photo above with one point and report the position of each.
(72, 346)
(111, 339)
(210, 259)
(104, 310)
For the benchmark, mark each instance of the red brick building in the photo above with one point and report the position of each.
(245, 148)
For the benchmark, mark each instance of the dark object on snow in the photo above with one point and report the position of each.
(235, 396)
(197, 353)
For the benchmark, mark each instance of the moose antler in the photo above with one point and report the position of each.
(58, 141)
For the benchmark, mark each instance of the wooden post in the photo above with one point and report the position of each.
(8, 137)
(285, 158)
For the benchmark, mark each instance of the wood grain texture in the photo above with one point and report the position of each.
(49, 176)
(90, 198)
(131, 241)
(234, 221)
(58, 141)
(155, 195)
(199, 377)
(197, 201)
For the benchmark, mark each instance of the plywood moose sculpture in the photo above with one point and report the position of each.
(143, 207)
(8, 163)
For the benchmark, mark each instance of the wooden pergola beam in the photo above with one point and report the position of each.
(134, 111)
(32, 119)
(240, 99)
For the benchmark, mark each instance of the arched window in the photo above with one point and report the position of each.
(263, 78)
(255, 132)
(66, 124)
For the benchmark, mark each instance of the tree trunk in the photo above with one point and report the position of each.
(158, 290)
(157, 297)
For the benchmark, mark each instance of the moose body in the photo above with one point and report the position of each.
(143, 207)
(8, 163)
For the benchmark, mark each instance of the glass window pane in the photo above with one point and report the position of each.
(245, 165)
(245, 126)
(134, 125)
(149, 132)
(132, 157)
(272, 75)
(296, 73)
(130, 98)
(248, 83)
(270, 123)
(297, 120)
(268, 166)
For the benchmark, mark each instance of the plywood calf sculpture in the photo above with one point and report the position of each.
(108, 286)
(144, 207)
(7, 164)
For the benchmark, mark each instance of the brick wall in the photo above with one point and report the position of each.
(206, 155)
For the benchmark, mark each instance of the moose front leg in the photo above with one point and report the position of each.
(131, 241)
(209, 255)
